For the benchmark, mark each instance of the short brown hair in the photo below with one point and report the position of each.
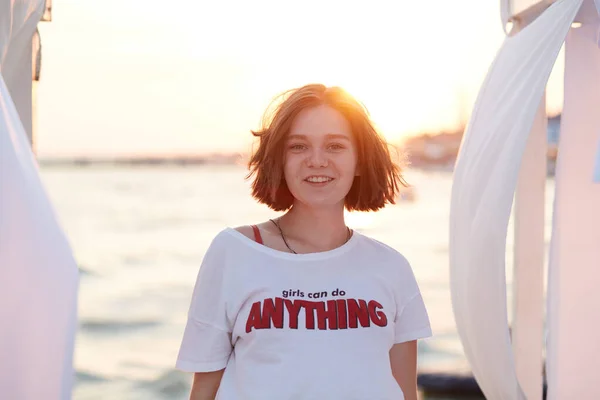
(379, 178)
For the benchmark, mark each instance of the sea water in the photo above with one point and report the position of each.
(139, 234)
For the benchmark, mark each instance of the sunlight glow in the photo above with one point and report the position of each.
(198, 75)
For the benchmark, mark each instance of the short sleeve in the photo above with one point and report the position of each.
(412, 321)
(206, 344)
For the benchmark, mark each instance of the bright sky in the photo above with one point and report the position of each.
(188, 76)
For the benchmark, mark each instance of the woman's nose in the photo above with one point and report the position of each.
(316, 158)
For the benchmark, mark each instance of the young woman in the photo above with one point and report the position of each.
(301, 306)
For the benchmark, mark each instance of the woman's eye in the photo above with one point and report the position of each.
(297, 146)
(336, 146)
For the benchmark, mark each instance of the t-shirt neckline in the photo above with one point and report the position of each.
(296, 257)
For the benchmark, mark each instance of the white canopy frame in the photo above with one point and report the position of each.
(504, 149)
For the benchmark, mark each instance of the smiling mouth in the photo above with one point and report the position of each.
(318, 179)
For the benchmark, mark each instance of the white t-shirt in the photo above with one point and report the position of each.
(301, 326)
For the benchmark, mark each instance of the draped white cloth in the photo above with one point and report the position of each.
(484, 184)
(38, 274)
(528, 270)
(18, 21)
(573, 349)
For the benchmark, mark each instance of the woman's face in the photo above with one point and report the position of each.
(320, 157)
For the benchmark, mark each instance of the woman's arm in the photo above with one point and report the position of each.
(403, 358)
(205, 385)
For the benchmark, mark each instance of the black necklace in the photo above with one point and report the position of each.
(288, 246)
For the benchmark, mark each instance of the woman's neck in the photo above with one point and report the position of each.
(314, 230)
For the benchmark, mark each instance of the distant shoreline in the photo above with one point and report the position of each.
(219, 159)
(424, 151)
(151, 162)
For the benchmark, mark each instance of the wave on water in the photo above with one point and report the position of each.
(109, 326)
(88, 377)
(171, 384)
(84, 271)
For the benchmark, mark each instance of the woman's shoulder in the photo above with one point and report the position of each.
(383, 249)
(394, 265)
(228, 234)
(226, 244)
(245, 230)
(253, 232)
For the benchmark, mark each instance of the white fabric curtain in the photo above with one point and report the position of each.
(38, 274)
(18, 21)
(528, 269)
(573, 349)
(485, 179)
